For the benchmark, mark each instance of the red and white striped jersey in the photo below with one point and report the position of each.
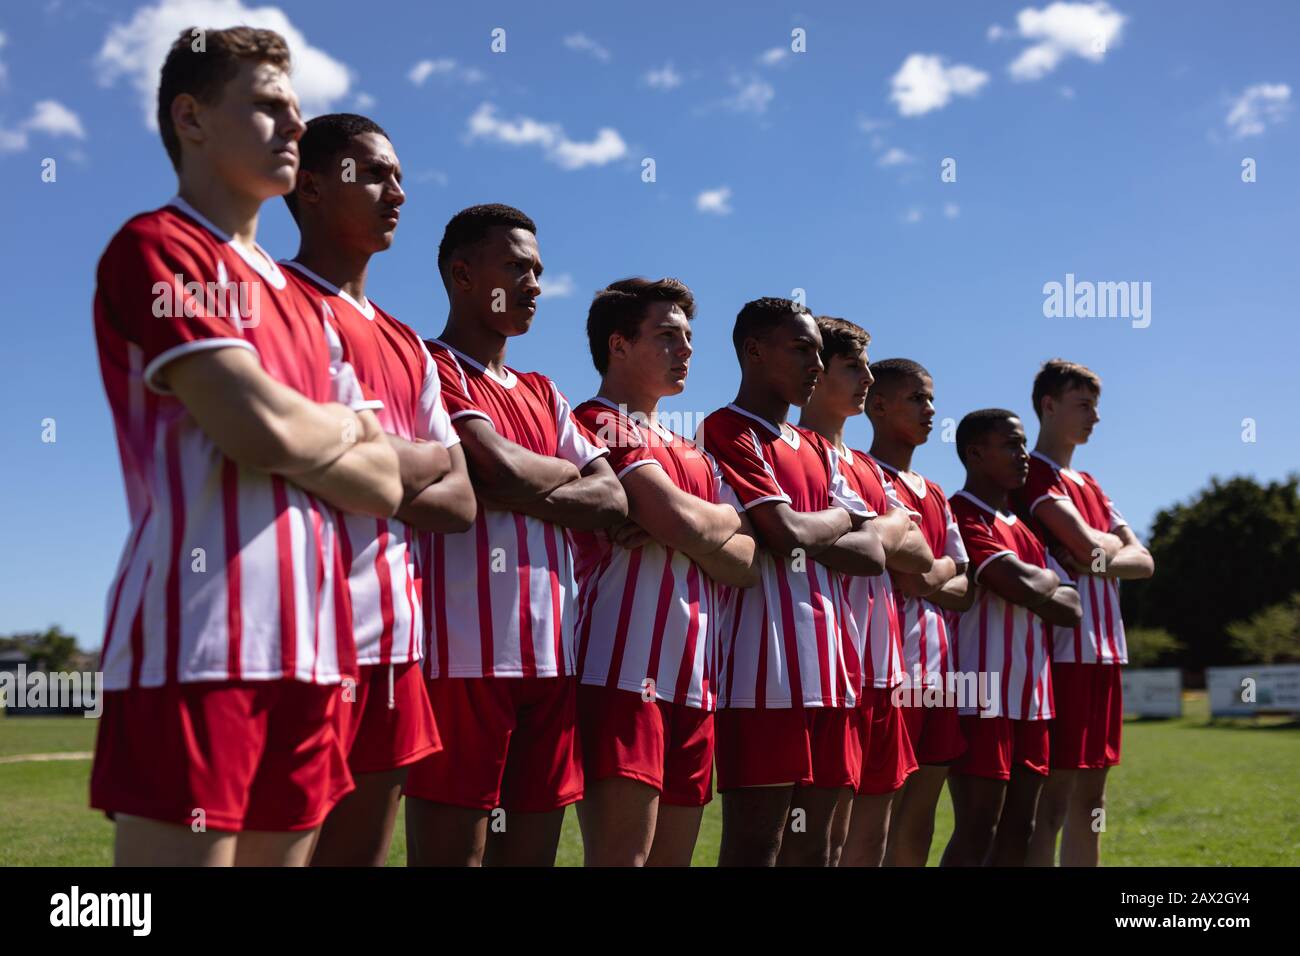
(648, 619)
(228, 573)
(1001, 642)
(502, 593)
(927, 640)
(1099, 637)
(872, 597)
(793, 640)
(393, 365)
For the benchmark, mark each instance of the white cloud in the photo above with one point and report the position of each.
(773, 56)
(995, 33)
(912, 216)
(558, 287)
(443, 66)
(1257, 107)
(584, 43)
(432, 176)
(363, 101)
(869, 125)
(1063, 29)
(715, 201)
(607, 147)
(49, 117)
(923, 83)
(951, 210)
(52, 117)
(664, 78)
(136, 50)
(4, 71)
(895, 157)
(752, 95)
(1067, 92)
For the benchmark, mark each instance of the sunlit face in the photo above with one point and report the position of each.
(788, 358)
(358, 197)
(503, 274)
(906, 410)
(249, 136)
(1001, 456)
(1073, 414)
(842, 388)
(658, 359)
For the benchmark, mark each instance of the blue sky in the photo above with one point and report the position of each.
(1103, 140)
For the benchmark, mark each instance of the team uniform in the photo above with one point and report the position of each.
(499, 598)
(228, 620)
(385, 720)
(648, 629)
(790, 673)
(1085, 658)
(929, 652)
(887, 753)
(1006, 645)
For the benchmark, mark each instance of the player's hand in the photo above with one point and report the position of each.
(628, 535)
(1066, 560)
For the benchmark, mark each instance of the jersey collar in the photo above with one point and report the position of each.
(510, 380)
(1070, 473)
(664, 433)
(1006, 517)
(919, 492)
(259, 260)
(367, 308)
(778, 432)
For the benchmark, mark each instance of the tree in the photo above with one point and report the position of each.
(1147, 645)
(50, 650)
(1227, 554)
(1272, 636)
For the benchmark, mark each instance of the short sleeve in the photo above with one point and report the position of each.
(740, 458)
(452, 386)
(627, 444)
(573, 442)
(1117, 520)
(345, 387)
(842, 493)
(723, 493)
(1044, 483)
(165, 294)
(982, 545)
(953, 546)
(433, 423)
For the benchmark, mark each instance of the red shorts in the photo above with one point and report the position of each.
(810, 746)
(887, 757)
(510, 742)
(994, 745)
(935, 733)
(668, 746)
(385, 720)
(251, 755)
(1089, 722)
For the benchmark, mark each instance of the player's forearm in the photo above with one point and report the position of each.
(447, 506)
(513, 475)
(1062, 608)
(422, 463)
(365, 480)
(859, 553)
(956, 594)
(1131, 562)
(734, 564)
(911, 554)
(812, 532)
(690, 524)
(590, 503)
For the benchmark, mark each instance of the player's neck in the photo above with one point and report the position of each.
(1054, 447)
(986, 491)
(232, 212)
(476, 339)
(614, 387)
(895, 454)
(825, 423)
(761, 402)
(343, 267)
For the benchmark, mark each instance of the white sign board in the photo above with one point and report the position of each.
(1244, 691)
(1153, 691)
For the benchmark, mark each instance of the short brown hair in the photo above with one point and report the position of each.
(1057, 375)
(620, 307)
(841, 337)
(205, 71)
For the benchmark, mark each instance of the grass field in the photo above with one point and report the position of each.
(1189, 793)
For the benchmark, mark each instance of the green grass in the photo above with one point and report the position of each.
(1190, 792)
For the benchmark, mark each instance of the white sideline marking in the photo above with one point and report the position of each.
(42, 758)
